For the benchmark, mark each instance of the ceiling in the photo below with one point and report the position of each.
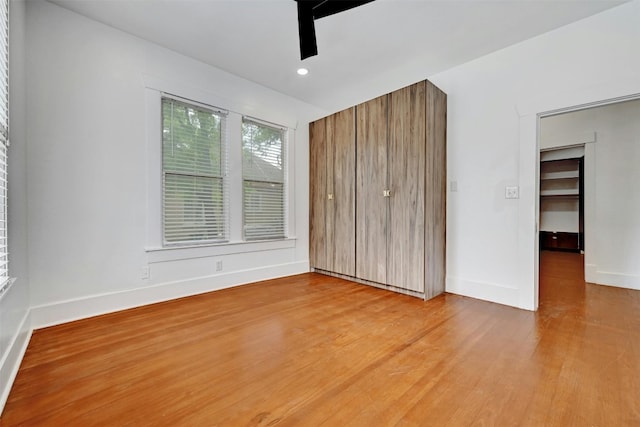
(258, 39)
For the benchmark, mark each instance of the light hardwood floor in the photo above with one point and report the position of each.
(313, 350)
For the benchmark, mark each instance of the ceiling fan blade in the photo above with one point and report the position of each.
(331, 7)
(306, 30)
(310, 10)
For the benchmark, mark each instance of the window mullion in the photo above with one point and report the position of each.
(234, 176)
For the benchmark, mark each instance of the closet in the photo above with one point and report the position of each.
(397, 232)
(332, 193)
(562, 200)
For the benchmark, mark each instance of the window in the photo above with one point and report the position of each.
(4, 140)
(193, 170)
(263, 187)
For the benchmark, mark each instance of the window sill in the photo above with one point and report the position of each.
(176, 253)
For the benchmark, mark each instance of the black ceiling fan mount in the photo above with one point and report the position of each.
(309, 11)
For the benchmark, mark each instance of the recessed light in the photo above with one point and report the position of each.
(303, 71)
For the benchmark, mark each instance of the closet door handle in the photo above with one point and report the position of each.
(330, 196)
(386, 193)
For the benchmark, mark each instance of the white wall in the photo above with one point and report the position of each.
(15, 327)
(493, 107)
(88, 181)
(612, 214)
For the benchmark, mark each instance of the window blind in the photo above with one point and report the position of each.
(194, 168)
(4, 140)
(263, 172)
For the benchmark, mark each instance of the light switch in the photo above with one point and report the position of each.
(511, 192)
(453, 186)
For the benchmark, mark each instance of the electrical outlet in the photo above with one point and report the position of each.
(453, 185)
(146, 273)
(219, 265)
(511, 192)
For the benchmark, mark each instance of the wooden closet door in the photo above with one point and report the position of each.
(341, 163)
(407, 121)
(371, 205)
(318, 194)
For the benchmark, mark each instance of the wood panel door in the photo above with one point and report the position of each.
(372, 208)
(318, 194)
(406, 249)
(341, 179)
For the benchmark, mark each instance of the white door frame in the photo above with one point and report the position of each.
(530, 113)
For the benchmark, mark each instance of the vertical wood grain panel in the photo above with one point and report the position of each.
(329, 195)
(405, 265)
(317, 194)
(371, 206)
(342, 161)
(436, 191)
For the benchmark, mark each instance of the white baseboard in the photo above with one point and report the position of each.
(10, 364)
(620, 280)
(484, 291)
(94, 305)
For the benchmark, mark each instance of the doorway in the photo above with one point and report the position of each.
(603, 141)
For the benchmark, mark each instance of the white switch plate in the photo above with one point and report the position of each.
(511, 192)
(453, 185)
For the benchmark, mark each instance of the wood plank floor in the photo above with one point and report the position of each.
(313, 350)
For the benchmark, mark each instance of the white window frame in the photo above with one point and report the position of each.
(156, 252)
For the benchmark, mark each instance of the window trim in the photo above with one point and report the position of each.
(153, 89)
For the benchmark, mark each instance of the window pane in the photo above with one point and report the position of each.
(262, 153)
(191, 139)
(193, 209)
(263, 210)
(264, 181)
